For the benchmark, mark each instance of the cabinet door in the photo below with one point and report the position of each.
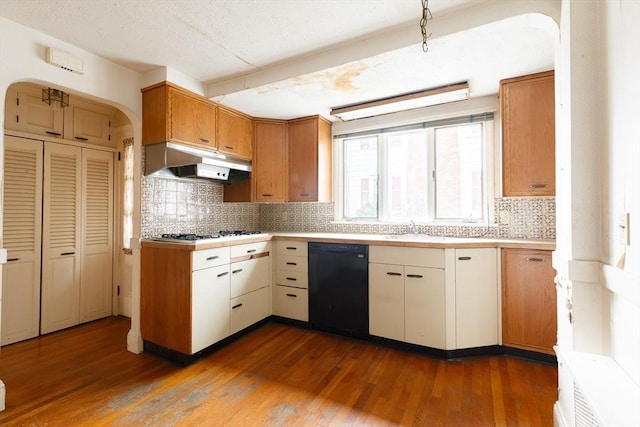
(270, 161)
(209, 307)
(235, 134)
(192, 120)
(97, 236)
(22, 220)
(249, 309)
(528, 135)
(92, 127)
(26, 112)
(386, 301)
(309, 160)
(528, 300)
(61, 237)
(476, 297)
(424, 303)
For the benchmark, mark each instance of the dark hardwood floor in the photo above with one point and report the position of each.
(276, 375)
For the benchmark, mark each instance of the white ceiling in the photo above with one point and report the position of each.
(291, 58)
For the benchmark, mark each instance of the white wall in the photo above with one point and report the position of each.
(22, 58)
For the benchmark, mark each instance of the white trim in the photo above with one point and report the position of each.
(622, 283)
(558, 416)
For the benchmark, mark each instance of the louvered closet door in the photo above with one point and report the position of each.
(61, 237)
(22, 218)
(97, 235)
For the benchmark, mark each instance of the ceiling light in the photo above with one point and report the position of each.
(425, 98)
(57, 99)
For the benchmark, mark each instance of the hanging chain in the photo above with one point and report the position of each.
(426, 16)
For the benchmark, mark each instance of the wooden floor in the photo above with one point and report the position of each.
(276, 375)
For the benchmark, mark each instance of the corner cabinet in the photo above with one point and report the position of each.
(234, 133)
(270, 161)
(529, 319)
(527, 108)
(310, 160)
(170, 113)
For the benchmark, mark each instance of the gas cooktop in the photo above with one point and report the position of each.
(192, 237)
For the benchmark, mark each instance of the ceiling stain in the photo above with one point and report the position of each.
(340, 79)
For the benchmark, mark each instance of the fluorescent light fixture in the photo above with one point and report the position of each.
(409, 101)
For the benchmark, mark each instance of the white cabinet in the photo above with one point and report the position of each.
(476, 276)
(25, 112)
(77, 236)
(88, 125)
(291, 295)
(250, 284)
(22, 218)
(210, 312)
(407, 295)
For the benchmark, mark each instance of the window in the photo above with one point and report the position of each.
(426, 172)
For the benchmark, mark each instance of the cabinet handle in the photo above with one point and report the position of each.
(205, 140)
(250, 251)
(292, 263)
(538, 185)
(291, 248)
(228, 147)
(392, 273)
(81, 138)
(293, 279)
(292, 295)
(464, 258)
(53, 133)
(211, 258)
(267, 195)
(68, 253)
(237, 271)
(532, 259)
(304, 194)
(223, 274)
(415, 276)
(236, 306)
(13, 259)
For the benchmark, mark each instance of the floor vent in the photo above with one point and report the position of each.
(584, 413)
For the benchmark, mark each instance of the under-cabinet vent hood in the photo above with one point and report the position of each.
(177, 160)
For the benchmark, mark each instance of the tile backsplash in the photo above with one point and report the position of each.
(171, 205)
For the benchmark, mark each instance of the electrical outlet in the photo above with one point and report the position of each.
(285, 216)
(505, 217)
(623, 229)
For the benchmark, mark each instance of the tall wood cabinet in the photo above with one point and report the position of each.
(528, 300)
(527, 107)
(22, 217)
(310, 160)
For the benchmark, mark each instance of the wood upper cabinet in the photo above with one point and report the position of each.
(170, 113)
(310, 160)
(235, 133)
(527, 107)
(270, 161)
(528, 300)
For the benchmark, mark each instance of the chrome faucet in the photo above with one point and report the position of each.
(414, 230)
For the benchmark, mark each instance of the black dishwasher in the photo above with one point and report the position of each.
(339, 288)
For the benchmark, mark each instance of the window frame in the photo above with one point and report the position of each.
(489, 148)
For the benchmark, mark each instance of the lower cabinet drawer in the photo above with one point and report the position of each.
(249, 308)
(292, 303)
(298, 279)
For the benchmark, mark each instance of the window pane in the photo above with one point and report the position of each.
(361, 177)
(406, 185)
(459, 190)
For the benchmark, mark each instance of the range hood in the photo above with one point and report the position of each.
(176, 160)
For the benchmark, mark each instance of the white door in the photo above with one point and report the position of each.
(22, 219)
(61, 237)
(386, 301)
(424, 305)
(26, 112)
(97, 235)
(92, 127)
